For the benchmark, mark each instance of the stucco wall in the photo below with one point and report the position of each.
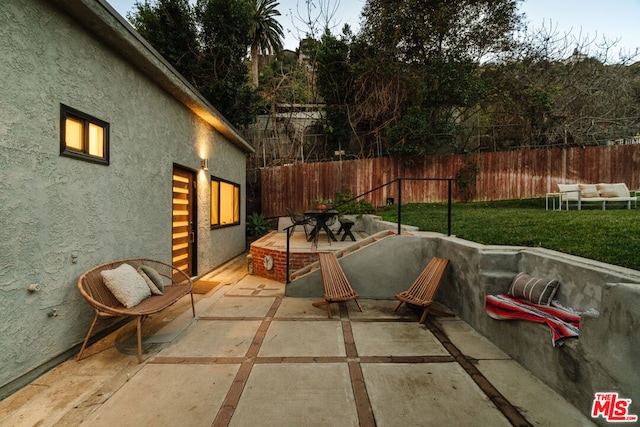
(61, 216)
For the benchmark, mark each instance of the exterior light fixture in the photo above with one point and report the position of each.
(205, 164)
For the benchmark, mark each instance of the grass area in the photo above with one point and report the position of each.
(611, 236)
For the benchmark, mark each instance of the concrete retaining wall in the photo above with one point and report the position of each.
(605, 356)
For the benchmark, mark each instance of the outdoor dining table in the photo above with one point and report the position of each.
(321, 217)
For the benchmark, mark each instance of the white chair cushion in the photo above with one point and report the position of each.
(126, 284)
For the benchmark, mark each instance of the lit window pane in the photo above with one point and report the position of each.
(96, 140)
(73, 134)
(226, 203)
(215, 220)
(236, 204)
(83, 137)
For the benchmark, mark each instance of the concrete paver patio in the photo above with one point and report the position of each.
(261, 359)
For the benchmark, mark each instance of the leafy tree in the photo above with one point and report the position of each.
(558, 91)
(419, 66)
(207, 44)
(169, 25)
(225, 27)
(265, 32)
(335, 85)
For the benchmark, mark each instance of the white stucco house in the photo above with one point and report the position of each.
(103, 149)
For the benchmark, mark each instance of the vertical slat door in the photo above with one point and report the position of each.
(183, 231)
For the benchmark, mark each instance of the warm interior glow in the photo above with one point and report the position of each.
(226, 203)
(215, 200)
(96, 140)
(73, 134)
(236, 204)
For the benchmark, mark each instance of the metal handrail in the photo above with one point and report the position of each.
(399, 181)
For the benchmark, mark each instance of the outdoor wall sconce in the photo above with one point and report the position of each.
(205, 164)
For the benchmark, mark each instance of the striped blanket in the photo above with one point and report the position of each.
(563, 324)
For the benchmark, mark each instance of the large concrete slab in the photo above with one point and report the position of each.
(291, 394)
(256, 286)
(381, 309)
(167, 395)
(69, 385)
(429, 394)
(303, 338)
(236, 306)
(301, 308)
(469, 341)
(214, 338)
(538, 403)
(395, 339)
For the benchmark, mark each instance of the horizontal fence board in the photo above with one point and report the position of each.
(503, 175)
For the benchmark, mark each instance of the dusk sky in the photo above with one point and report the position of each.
(590, 19)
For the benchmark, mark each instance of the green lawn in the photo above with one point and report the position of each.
(611, 236)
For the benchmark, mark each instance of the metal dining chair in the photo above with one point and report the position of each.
(299, 219)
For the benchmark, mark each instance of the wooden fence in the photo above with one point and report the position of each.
(503, 175)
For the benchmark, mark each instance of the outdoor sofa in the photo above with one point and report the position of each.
(133, 287)
(579, 194)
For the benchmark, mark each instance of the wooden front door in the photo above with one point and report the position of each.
(184, 221)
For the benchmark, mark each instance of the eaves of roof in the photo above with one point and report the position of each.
(99, 18)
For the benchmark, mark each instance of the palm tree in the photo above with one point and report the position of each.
(266, 33)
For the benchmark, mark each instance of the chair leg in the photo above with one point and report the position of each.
(86, 340)
(193, 307)
(359, 306)
(397, 306)
(139, 328)
(315, 239)
(424, 315)
(329, 309)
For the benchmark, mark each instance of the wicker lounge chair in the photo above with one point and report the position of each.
(423, 290)
(93, 289)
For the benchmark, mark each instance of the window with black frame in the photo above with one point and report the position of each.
(225, 203)
(83, 136)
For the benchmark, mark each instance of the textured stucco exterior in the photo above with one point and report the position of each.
(61, 216)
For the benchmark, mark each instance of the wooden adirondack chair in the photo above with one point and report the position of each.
(335, 283)
(423, 290)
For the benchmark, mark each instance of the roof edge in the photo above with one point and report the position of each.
(99, 18)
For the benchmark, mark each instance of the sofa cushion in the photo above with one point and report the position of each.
(570, 191)
(126, 285)
(154, 276)
(589, 190)
(534, 289)
(152, 286)
(608, 190)
(569, 187)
